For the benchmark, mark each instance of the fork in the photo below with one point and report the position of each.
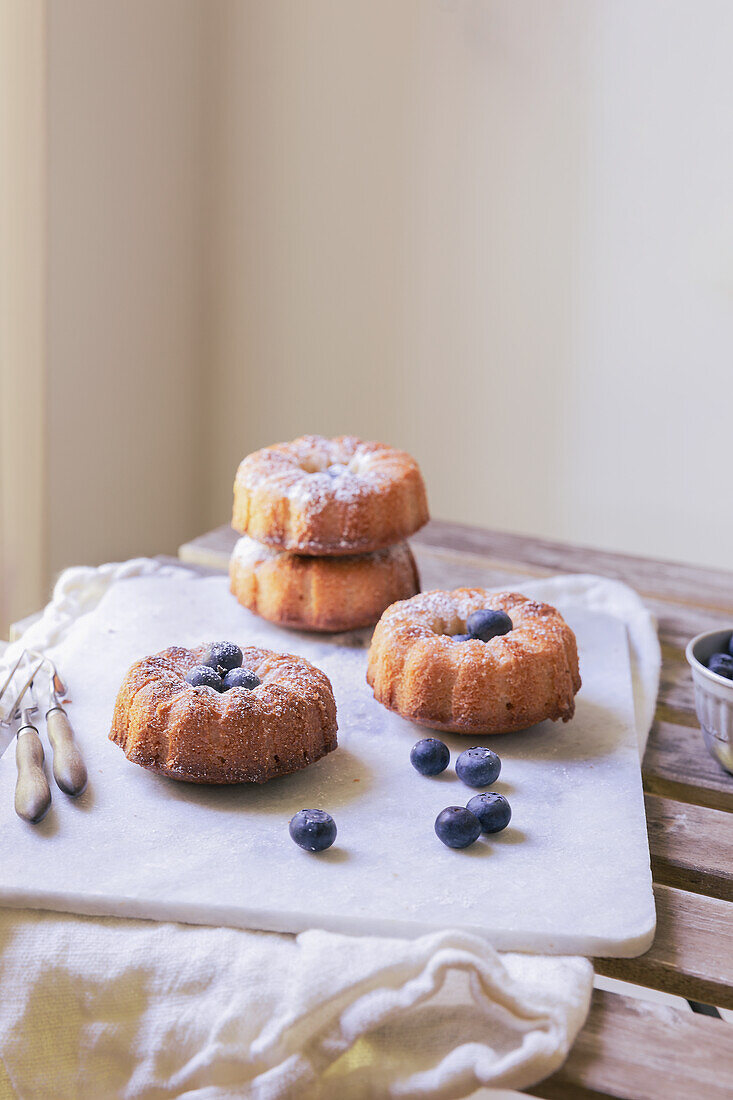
(69, 769)
(32, 792)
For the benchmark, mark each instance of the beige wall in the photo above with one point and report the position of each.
(499, 234)
(397, 204)
(125, 432)
(496, 233)
(23, 527)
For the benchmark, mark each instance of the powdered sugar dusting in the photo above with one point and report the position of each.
(445, 613)
(299, 470)
(282, 676)
(249, 554)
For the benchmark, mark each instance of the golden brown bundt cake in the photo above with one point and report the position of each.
(329, 496)
(424, 666)
(240, 735)
(326, 594)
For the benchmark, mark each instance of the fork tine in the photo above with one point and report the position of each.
(12, 673)
(21, 693)
(56, 681)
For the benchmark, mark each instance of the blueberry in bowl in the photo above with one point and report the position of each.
(486, 624)
(457, 827)
(313, 830)
(204, 676)
(430, 756)
(721, 664)
(492, 810)
(478, 766)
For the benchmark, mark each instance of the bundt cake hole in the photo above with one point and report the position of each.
(313, 464)
(449, 628)
(359, 466)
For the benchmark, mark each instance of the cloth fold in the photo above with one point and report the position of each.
(114, 1008)
(111, 1008)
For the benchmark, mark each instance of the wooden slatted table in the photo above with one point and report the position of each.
(630, 1048)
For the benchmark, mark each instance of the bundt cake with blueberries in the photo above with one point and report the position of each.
(474, 662)
(329, 496)
(321, 593)
(221, 714)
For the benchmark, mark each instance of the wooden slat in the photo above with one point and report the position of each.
(691, 847)
(699, 586)
(635, 1050)
(676, 762)
(697, 591)
(212, 549)
(677, 765)
(690, 956)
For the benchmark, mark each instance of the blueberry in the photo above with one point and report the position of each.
(204, 676)
(430, 756)
(240, 678)
(487, 624)
(313, 830)
(478, 767)
(224, 655)
(462, 638)
(457, 827)
(722, 664)
(492, 810)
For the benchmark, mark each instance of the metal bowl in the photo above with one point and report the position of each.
(713, 695)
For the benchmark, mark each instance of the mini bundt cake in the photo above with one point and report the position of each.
(424, 666)
(325, 594)
(279, 715)
(329, 496)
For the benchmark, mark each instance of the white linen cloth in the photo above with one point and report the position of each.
(104, 1007)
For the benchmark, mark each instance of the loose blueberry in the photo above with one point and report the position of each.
(224, 655)
(478, 767)
(240, 678)
(462, 638)
(313, 830)
(487, 624)
(430, 756)
(492, 810)
(722, 665)
(457, 827)
(204, 676)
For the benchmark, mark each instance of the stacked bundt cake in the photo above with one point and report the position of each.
(323, 525)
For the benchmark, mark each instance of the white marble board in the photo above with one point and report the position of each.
(570, 875)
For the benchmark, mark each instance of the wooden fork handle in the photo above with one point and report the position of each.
(32, 792)
(69, 770)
